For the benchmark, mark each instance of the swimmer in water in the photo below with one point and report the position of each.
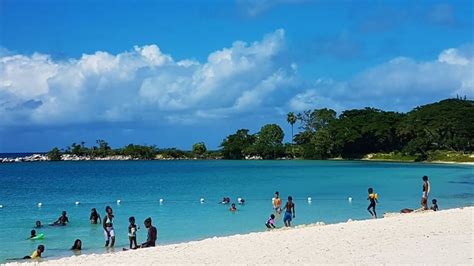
(62, 220)
(36, 254)
(94, 217)
(38, 224)
(77, 245)
(233, 208)
(33, 234)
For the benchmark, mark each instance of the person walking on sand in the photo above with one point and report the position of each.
(426, 192)
(108, 226)
(289, 212)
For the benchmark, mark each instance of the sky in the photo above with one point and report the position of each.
(173, 73)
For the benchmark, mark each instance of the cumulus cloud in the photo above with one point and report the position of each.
(141, 84)
(399, 84)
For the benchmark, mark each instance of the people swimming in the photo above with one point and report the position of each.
(241, 201)
(132, 233)
(62, 220)
(32, 234)
(37, 253)
(77, 245)
(270, 222)
(108, 226)
(38, 224)
(289, 211)
(276, 201)
(225, 200)
(151, 235)
(434, 205)
(373, 201)
(233, 208)
(426, 192)
(94, 217)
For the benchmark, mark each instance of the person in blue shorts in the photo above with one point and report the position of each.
(289, 212)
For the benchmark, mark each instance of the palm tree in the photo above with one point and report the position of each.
(291, 119)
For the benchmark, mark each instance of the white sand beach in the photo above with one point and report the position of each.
(443, 237)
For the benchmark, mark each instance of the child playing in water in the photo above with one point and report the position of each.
(373, 201)
(36, 254)
(38, 224)
(434, 207)
(277, 202)
(232, 207)
(94, 217)
(33, 233)
(132, 233)
(271, 222)
(289, 212)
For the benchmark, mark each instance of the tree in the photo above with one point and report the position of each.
(291, 119)
(199, 148)
(235, 145)
(54, 154)
(269, 142)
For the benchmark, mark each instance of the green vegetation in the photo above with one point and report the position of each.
(442, 131)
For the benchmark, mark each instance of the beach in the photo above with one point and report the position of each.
(443, 237)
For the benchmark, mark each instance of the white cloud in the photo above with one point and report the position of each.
(141, 84)
(399, 84)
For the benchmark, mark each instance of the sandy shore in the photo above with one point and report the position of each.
(444, 237)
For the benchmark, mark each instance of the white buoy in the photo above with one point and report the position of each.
(309, 199)
(349, 199)
(40, 204)
(239, 200)
(77, 203)
(118, 202)
(1, 206)
(161, 201)
(201, 200)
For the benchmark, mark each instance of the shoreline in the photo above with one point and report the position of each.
(445, 235)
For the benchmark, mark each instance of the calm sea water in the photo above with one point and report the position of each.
(140, 184)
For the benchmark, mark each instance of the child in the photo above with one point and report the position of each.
(373, 201)
(277, 202)
(36, 254)
(425, 193)
(108, 225)
(434, 207)
(94, 217)
(271, 222)
(33, 233)
(38, 224)
(290, 212)
(233, 208)
(132, 233)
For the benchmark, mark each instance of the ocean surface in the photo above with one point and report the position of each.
(139, 185)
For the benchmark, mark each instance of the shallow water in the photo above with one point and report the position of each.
(140, 184)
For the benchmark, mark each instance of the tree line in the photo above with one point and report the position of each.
(447, 125)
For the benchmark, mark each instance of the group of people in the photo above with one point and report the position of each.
(233, 207)
(289, 211)
(109, 232)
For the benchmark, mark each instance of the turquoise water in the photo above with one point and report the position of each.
(140, 184)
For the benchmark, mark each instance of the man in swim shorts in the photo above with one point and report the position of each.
(289, 212)
(426, 192)
(152, 234)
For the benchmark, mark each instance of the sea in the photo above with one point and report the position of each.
(182, 217)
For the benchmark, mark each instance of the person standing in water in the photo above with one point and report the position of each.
(277, 202)
(62, 220)
(425, 194)
(108, 226)
(94, 217)
(289, 212)
(373, 201)
(152, 234)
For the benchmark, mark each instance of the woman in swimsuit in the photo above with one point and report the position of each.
(108, 226)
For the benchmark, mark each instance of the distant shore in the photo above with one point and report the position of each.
(70, 157)
(445, 237)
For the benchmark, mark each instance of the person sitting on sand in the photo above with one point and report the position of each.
(62, 220)
(277, 202)
(271, 222)
(38, 224)
(152, 234)
(426, 192)
(108, 225)
(36, 254)
(77, 245)
(132, 233)
(289, 211)
(406, 210)
(94, 217)
(434, 207)
(373, 201)
(232, 207)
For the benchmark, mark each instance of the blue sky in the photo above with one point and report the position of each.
(173, 73)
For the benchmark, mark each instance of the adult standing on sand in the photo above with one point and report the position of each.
(426, 192)
(152, 234)
(108, 226)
